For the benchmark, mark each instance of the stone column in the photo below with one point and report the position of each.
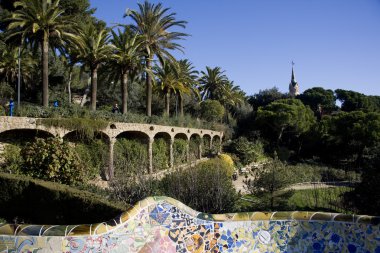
(171, 153)
(200, 149)
(150, 154)
(111, 170)
(188, 151)
(211, 143)
(220, 145)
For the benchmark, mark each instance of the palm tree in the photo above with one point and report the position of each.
(40, 22)
(187, 76)
(9, 57)
(168, 81)
(153, 23)
(93, 50)
(213, 83)
(126, 58)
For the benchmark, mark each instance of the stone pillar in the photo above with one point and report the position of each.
(111, 170)
(211, 143)
(171, 153)
(188, 151)
(200, 149)
(150, 154)
(220, 145)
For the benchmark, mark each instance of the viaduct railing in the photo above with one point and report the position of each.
(116, 129)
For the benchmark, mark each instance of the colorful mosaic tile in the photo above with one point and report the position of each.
(160, 225)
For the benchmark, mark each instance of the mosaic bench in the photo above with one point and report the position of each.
(162, 224)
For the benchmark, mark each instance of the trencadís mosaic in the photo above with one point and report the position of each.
(161, 224)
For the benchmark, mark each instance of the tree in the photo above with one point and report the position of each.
(213, 83)
(285, 115)
(9, 57)
(212, 110)
(126, 58)
(265, 97)
(187, 76)
(153, 23)
(93, 50)
(354, 101)
(347, 134)
(321, 101)
(168, 81)
(41, 22)
(269, 181)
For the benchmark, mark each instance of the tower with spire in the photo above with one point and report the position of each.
(293, 86)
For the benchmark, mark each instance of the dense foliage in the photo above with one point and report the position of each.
(56, 203)
(52, 160)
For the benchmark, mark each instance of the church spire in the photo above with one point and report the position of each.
(293, 86)
(293, 75)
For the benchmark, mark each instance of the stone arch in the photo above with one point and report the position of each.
(19, 138)
(216, 144)
(76, 136)
(206, 145)
(93, 152)
(162, 151)
(180, 148)
(131, 153)
(195, 147)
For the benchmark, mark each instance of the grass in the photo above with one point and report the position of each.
(319, 199)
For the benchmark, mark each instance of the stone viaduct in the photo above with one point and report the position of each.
(116, 129)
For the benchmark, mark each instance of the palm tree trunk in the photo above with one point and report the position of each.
(148, 89)
(69, 83)
(180, 102)
(45, 72)
(124, 92)
(94, 87)
(167, 103)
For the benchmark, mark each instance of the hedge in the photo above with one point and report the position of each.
(32, 201)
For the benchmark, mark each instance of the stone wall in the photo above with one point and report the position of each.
(161, 224)
(115, 129)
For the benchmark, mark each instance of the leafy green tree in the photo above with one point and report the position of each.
(126, 58)
(321, 101)
(353, 101)
(40, 22)
(285, 115)
(347, 134)
(268, 182)
(93, 50)
(247, 151)
(212, 110)
(51, 160)
(265, 97)
(153, 22)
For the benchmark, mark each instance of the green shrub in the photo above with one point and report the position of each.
(194, 143)
(206, 187)
(130, 157)
(212, 110)
(84, 126)
(179, 151)
(93, 156)
(160, 154)
(12, 159)
(53, 160)
(130, 190)
(40, 202)
(247, 151)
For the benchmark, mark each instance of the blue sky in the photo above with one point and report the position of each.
(334, 43)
